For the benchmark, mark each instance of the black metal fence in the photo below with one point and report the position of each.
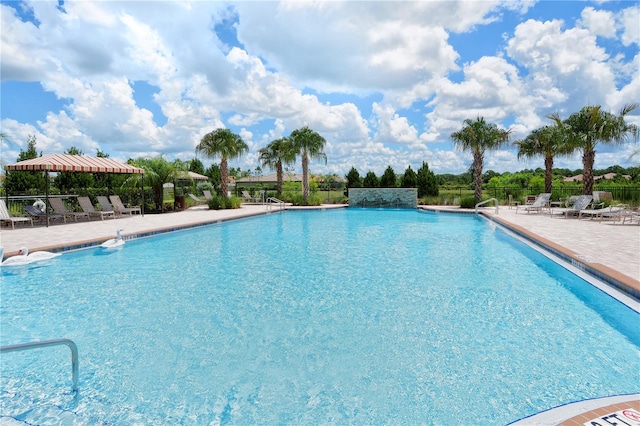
(627, 194)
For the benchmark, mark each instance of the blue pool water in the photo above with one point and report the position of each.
(346, 316)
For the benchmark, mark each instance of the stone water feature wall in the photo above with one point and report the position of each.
(397, 198)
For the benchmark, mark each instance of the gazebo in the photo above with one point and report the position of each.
(74, 163)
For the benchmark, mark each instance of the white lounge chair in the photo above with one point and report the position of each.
(632, 215)
(6, 217)
(541, 202)
(613, 213)
(581, 203)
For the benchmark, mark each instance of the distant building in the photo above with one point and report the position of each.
(580, 177)
(576, 178)
(272, 179)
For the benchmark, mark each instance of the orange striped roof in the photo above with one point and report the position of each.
(73, 163)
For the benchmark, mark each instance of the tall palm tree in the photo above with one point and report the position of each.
(547, 142)
(225, 144)
(478, 136)
(590, 126)
(310, 145)
(277, 153)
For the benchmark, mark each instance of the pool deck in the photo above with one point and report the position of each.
(604, 249)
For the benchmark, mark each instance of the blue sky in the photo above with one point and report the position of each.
(385, 83)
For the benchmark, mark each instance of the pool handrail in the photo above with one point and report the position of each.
(487, 201)
(46, 343)
(272, 200)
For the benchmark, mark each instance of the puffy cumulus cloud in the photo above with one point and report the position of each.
(449, 162)
(628, 93)
(549, 54)
(359, 45)
(599, 22)
(84, 40)
(290, 57)
(630, 22)
(392, 128)
(491, 89)
(15, 139)
(24, 48)
(501, 161)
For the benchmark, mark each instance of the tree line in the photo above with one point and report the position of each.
(581, 132)
(424, 180)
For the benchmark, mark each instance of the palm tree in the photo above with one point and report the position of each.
(590, 126)
(478, 136)
(310, 145)
(277, 153)
(157, 172)
(547, 142)
(227, 145)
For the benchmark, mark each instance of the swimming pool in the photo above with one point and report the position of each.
(347, 316)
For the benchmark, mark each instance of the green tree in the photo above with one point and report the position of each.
(353, 179)
(546, 142)
(157, 172)
(477, 137)
(72, 182)
(409, 179)
(590, 126)
(16, 182)
(227, 145)
(371, 180)
(427, 182)
(275, 155)
(486, 176)
(213, 171)
(388, 179)
(196, 166)
(310, 145)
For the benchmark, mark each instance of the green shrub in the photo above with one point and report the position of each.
(216, 202)
(314, 200)
(468, 202)
(233, 202)
(219, 202)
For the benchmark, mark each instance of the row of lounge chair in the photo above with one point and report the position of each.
(110, 207)
(582, 206)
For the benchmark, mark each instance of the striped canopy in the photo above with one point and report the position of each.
(192, 175)
(73, 163)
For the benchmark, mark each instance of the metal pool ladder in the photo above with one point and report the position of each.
(273, 200)
(487, 201)
(47, 343)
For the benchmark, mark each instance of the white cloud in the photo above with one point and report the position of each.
(321, 44)
(293, 59)
(630, 22)
(391, 128)
(491, 89)
(599, 22)
(574, 77)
